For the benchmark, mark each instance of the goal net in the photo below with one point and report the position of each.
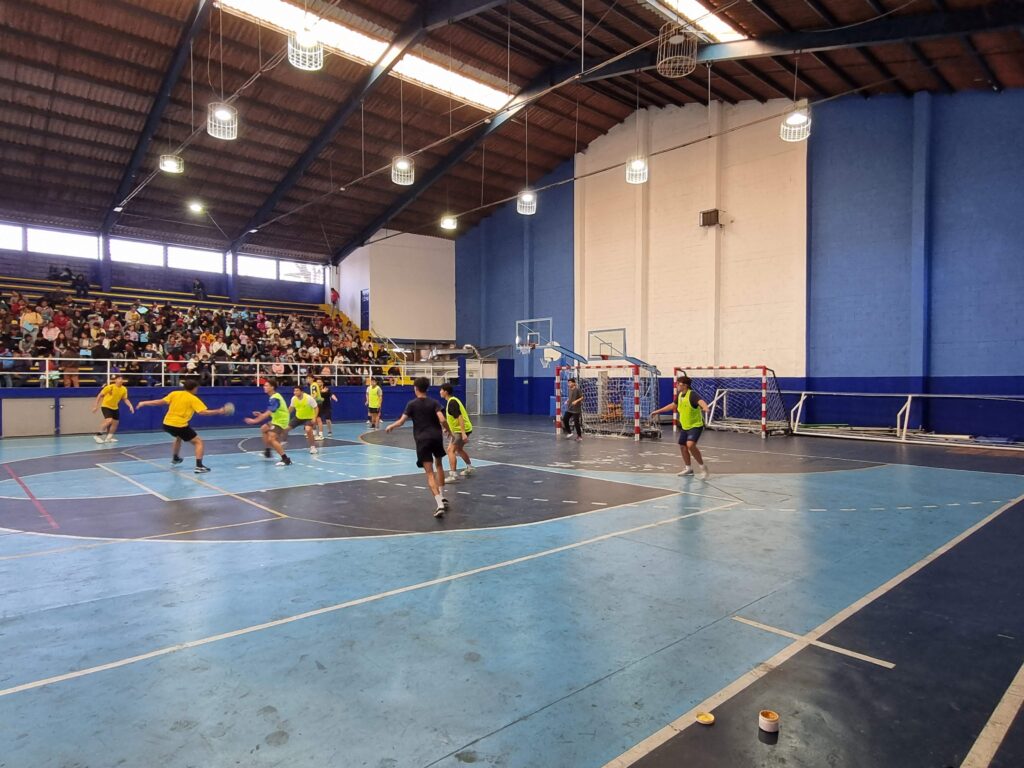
(617, 399)
(740, 398)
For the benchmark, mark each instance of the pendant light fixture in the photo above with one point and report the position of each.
(636, 167)
(796, 125)
(221, 117)
(305, 51)
(526, 201)
(403, 168)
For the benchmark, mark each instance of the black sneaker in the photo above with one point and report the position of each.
(447, 504)
(176, 460)
(284, 462)
(266, 453)
(201, 469)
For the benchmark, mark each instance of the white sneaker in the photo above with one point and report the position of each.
(110, 439)
(468, 472)
(704, 474)
(451, 477)
(439, 512)
(313, 451)
(686, 471)
(98, 438)
(320, 436)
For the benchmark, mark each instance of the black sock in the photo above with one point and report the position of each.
(199, 462)
(177, 457)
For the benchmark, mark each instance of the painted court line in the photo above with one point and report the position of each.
(992, 735)
(136, 483)
(342, 606)
(211, 486)
(816, 643)
(32, 497)
(741, 683)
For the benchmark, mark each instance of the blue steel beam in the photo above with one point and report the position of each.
(195, 22)
(898, 29)
(439, 15)
(457, 155)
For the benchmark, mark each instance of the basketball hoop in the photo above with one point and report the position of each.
(549, 355)
(526, 349)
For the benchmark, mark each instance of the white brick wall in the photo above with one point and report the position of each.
(687, 294)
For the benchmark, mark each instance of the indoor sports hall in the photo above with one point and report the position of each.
(528, 384)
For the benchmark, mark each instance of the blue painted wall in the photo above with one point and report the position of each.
(915, 250)
(510, 267)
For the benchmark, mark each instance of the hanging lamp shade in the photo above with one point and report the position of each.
(222, 121)
(526, 202)
(403, 170)
(305, 51)
(172, 163)
(796, 125)
(449, 222)
(636, 170)
(677, 50)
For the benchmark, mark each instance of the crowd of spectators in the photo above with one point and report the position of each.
(68, 334)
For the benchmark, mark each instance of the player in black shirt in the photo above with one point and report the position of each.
(428, 425)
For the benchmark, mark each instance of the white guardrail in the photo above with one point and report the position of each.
(899, 427)
(47, 372)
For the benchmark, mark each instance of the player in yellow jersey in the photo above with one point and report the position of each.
(304, 410)
(691, 424)
(182, 404)
(109, 400)
(374, 402)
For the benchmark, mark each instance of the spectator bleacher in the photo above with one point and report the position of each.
(51, 337)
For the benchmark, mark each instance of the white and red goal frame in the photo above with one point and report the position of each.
(578, 370)
(761, 373)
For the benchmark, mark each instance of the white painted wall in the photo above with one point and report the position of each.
(689, 295)
(353, 278)
(412, 286)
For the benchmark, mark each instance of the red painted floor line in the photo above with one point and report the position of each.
(42, 510)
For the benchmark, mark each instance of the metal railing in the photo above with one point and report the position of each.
(897, 428)
(48, 372)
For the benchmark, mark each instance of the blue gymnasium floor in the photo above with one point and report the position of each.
(574, 609)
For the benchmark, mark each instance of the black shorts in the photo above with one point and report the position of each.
(325, 413)
(110, 413)
(373, 410)
(429, 450)
(298, 423)
(185, 433)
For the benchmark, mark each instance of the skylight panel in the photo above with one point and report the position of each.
(347, 42)
(702, 18)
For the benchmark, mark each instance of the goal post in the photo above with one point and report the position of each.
(617, 399)
(741, 398)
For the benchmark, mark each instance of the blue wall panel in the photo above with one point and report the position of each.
(511, 267)
(860, 191)
(978, 235)
(915, 231)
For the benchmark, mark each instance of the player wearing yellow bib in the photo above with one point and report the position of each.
(109, 400)
(277, 427)
(182, 405)
(374, 403)
(459, 430)
(305, 410)
(316, 391)
(691, 424)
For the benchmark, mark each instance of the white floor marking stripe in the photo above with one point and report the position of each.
(209, 485)
(136, 483)
(683, 722)
(341, 606)
(818, 643)
(992, 735)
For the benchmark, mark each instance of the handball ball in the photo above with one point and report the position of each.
(229, 409)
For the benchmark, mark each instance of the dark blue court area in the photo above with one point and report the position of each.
(578, 606)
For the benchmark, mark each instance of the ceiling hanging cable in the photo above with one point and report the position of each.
(221, 117)
(636, 168)
(448, 221)
(403, 169)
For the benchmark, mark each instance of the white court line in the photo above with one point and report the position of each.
(992, 735)
(741, 683)
(137, 484)
(816, 643)
(341, 606)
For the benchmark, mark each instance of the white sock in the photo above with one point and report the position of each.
(439, 499)
(700, 465)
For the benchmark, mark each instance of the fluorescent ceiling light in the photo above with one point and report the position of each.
(347, 42)
(701, 17)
